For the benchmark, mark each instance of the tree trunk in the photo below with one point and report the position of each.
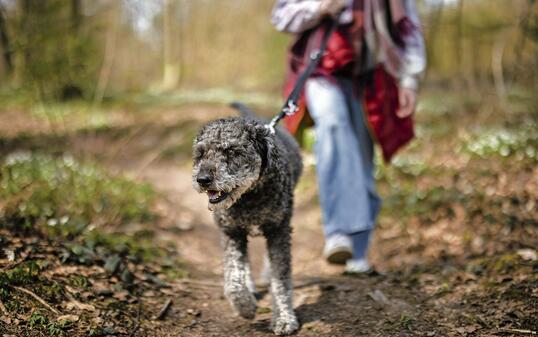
(170, 66)
(458, 42)
(497, 68)
(110, 54)
(435, 23)
(30, 13)
(5, 43)
(524, 22)
(76, 15)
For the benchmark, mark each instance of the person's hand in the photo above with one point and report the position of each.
(408, 101)
(332, 7)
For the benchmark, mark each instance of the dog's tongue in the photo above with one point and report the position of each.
(213, 194)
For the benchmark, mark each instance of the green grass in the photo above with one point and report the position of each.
(62, 197)
(78, 211)
(520, 144)
(42, 323)
(28, 275)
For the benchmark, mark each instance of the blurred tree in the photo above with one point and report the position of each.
(171, 70)
(478, 47)
(64, 48)
(109, 53)
(76, 14)
(5, 42)
(54, 57)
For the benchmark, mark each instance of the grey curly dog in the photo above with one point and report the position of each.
(249, 175)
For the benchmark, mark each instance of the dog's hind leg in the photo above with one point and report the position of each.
(237, 275)
(284, 321)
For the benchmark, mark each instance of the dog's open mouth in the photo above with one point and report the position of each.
(216, 196)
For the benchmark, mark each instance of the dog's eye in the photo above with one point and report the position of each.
(231, 152)
(198, 153)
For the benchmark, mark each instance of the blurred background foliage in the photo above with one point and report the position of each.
(65, 49)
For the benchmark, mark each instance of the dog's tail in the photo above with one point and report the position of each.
(243, 109)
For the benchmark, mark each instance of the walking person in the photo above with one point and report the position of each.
(374, 59)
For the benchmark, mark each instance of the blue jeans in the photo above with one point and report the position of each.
(344, 153)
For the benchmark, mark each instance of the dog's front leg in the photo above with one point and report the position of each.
(284, 321)
(236, 274)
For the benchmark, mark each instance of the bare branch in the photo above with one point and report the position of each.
(37, 298)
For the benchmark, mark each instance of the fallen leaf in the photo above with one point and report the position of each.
(74, 304)
(10, 254)
(311, 325)
(101, 288)
(149, 293)
(121, 295)
(378, 296)
(528, 254)
(5, 319)
(263, 310)
(127, 276)
(68, 319)
(154, 279)
(194, 312)
(112, 263)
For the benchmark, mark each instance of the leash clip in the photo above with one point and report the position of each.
(288, 110)
(271, 125)
(291, 108)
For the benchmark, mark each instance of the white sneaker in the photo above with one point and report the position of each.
(357, 266)
(338, 249)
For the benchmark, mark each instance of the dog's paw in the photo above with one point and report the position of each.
(244, 304)
(285, 325)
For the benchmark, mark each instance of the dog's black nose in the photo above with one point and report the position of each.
(204, 180)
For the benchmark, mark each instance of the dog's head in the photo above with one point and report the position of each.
(229, 157)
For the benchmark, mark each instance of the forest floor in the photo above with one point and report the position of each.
(455, 250)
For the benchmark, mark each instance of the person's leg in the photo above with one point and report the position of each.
(366, 145)
(359, 261)
(344, 199)
(361, 240)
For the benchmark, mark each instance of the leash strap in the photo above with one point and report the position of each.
(291, 105)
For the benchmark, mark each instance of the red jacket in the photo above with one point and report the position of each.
(378, 90)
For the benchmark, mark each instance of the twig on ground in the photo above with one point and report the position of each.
(15, 264)
(164, 309)
(525, 331)
(37, 298)
(76, 303)
(137, 326)
(3, 308)
(308, 283)
(200, 283)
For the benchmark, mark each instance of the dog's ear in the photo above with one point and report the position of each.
(263, 142)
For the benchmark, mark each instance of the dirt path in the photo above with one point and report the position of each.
(326, 302)
(429, 286)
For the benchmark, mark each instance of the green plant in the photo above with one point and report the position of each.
(61, 197)
(521, 143)
(25, 274)
(40, 322)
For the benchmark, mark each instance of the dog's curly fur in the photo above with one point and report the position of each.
(255, 171)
